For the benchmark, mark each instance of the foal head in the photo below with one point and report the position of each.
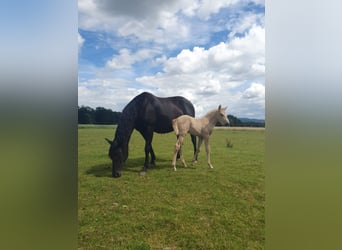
(221, 115)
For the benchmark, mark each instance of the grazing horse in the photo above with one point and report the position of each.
(201, 127)
(147, 114)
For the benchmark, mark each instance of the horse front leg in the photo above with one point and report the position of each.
(147, 152)
(207, 149)
(153, 156)
(200, 140)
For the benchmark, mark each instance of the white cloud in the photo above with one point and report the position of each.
(241, 58)
(148, 20)
(187, 61)
(126, 58)
(80, 41)
(214, 74)
(151, 20)
(112, 93)
(255, 91)
(229, 72)
(243, 22)
(208, 7)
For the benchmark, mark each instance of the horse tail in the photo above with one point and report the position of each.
(175, 126)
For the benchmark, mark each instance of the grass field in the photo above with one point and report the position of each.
(193, 208)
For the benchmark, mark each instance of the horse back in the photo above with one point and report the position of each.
(158, 112)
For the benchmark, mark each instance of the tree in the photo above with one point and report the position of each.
(100, 115)
(103, 116)
(85, 115)
(234, 122)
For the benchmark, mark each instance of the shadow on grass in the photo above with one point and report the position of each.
(132, 165)
(102, 170)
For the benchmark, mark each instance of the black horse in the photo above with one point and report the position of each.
(147, 114)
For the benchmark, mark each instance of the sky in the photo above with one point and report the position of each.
(211, 52)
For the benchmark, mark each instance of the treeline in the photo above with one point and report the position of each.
(100, 115)
(236, 122)
(87, 115)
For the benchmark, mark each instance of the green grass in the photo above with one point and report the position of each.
(193, 208)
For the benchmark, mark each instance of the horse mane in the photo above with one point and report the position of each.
(126, 123)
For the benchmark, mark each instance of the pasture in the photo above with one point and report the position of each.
(192, 208)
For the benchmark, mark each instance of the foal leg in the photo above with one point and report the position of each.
(177, 148)
(207, 149)
(180, 152)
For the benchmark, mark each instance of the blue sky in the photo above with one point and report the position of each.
(211, 52)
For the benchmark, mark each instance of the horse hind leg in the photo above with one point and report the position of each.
(180, 141)
(178, 148)
(182, 158)
(175, 126)
(148, 136)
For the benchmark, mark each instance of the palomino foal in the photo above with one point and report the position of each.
(201, 127)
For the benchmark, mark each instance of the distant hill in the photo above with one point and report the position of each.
(244, 122)
(252, 120)
(248, 122)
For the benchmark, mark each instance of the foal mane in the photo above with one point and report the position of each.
(210, 113)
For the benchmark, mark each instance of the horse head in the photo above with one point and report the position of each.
(118, 155)
(222, 116)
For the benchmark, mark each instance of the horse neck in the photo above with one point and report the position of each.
(124, 130)
(211, 119)
(123, 134)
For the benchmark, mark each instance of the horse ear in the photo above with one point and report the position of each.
(225, 107)
(219, 108)
(109, 141)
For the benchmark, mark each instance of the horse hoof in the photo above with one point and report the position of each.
(116, 175)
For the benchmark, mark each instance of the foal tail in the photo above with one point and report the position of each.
(175, 126)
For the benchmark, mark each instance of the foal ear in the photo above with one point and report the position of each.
(109, 141)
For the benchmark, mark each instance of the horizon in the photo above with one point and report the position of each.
(248, 118)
